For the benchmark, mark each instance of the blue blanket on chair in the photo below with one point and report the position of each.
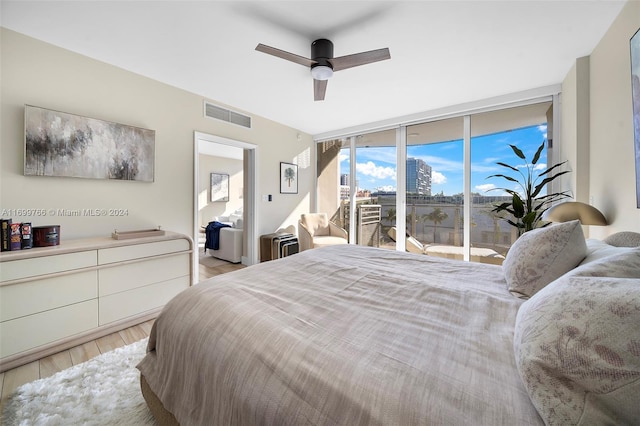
(212, 233)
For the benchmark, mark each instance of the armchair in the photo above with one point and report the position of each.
(315, 230)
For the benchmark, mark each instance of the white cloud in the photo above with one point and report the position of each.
(370, 169)
(441, 163)
(437, 178)
(485, 187)
(540, 167)
(543, 129)
(344, 157)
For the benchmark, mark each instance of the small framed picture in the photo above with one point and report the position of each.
(219, 187)
(288, 178)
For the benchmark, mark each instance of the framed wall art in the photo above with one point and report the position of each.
(635, 96)
(288, 178)
(62, 144)
(219, 187)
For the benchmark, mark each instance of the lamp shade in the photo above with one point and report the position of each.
(572, 210)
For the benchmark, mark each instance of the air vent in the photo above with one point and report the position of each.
(219, 113)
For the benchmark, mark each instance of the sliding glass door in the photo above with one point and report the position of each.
(435, 184)
(492, 133)
(443, 204)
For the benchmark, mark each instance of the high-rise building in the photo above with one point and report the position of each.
(418, 177)
(344, 179)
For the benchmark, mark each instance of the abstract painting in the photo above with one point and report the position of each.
(635, 96)
(219, 187)
(62, 144)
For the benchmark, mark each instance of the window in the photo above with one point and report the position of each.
(435, 185)
(447, 200)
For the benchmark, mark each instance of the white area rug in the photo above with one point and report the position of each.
(102, 391)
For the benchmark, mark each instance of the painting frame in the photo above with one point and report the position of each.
(288, 178)
(634, 48)
(62, 144)
(219, 187)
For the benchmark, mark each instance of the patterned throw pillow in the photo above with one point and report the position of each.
(540, 256)
(622, 263)
(577, 349)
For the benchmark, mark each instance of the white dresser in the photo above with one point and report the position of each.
(54, 298)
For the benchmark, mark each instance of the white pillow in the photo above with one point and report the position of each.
(577, 350)
(621, 264)
(598, 249)
(540, 256)
(234, 218)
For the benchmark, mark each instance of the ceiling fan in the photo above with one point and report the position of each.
(323, 64)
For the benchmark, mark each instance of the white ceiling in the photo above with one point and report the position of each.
(443, 53)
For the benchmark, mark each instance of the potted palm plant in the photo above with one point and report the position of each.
(527, 205)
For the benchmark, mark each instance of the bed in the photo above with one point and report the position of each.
(350, 335)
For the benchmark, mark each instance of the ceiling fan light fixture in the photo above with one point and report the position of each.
(321, 72)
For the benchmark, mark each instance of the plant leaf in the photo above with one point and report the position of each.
(509, 178)
(518, 206)
(512, 223)
(517, 151)
(546, 181)
(538, 152)
(500, 163)
(551, 168)
(529, 219)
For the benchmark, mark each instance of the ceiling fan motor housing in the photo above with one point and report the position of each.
(321, 52)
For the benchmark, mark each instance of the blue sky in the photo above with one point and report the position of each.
(376, 167)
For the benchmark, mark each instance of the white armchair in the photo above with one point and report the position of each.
(315, 230)
(230, 245)
(231, 239)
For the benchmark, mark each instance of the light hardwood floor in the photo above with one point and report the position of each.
(10, 380)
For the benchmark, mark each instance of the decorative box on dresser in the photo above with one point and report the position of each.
(54, 298)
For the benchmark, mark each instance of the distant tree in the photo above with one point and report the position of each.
(437, 216)
(423, 219)
(390, 216)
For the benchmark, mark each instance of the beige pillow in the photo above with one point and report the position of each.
(577, 350)
(623, 263)
(540, 256)
(624, 239)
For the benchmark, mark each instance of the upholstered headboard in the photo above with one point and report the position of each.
(624, 239)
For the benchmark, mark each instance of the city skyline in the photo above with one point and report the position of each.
(376, 166)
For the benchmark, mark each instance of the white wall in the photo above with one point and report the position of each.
(612, 168)
(574, 131)
(40, 74)
(208, 164)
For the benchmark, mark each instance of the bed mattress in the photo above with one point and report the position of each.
(342, 335)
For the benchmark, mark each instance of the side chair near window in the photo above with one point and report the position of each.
(315, 230)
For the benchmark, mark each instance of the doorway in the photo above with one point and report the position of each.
(241, 195)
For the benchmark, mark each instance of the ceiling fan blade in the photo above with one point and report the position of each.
(357, 59)
(319, 89)
(285, 55)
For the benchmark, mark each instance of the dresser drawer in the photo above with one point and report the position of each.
(134, 302)
(18, 300)
(139, 251)
(28, 332)
(139, 274)
(17, 269)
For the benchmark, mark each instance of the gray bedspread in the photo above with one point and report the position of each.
(342, 335)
